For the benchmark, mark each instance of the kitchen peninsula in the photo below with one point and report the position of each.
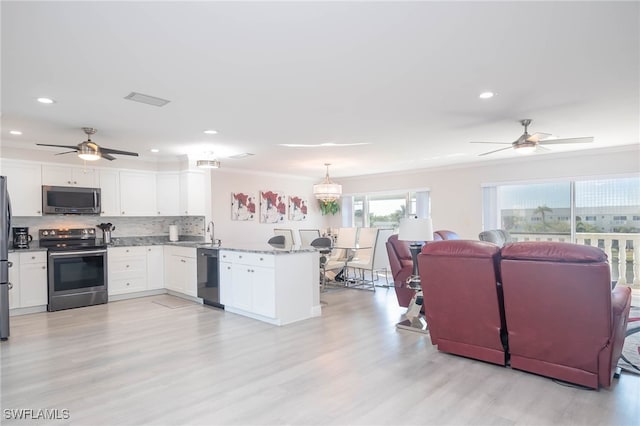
(276, 286)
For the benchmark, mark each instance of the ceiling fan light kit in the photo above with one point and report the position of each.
(91, 151)
(527, 144)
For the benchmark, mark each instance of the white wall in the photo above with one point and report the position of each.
(224, 182)
(456, 194)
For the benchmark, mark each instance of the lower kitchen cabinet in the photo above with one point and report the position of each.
(127, 269)
(180, 273)
(155, 267)
(28, 277)
(278, 289)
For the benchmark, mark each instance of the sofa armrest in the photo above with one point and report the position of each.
(619, 298)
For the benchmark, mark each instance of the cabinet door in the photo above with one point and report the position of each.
(24, 182)
(226, 283)
(168, 197)
(173, 271)
(110, 192)
(69, 176)
(14, 279)
(242, 287)
(138, 194)
(192, 194)
(264, 291)
(155, 267)
(33, 284)
(190, 276)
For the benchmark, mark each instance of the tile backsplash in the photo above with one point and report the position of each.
(153, 226)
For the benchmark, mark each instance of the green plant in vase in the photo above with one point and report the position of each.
(329, 207)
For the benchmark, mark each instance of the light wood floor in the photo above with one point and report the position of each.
(139, 362)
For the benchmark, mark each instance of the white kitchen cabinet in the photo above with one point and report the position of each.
(33, 279)
(127, 269)
(181, 274)
(109, 192)
(155, 267)
(226, 276)
(274, 288)
(14, 279)
(69, 176)
(168, 196)
(24, 182)
(192, 193)
(138, 194)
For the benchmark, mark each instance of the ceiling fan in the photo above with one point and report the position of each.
(89, 150)
(529, 143)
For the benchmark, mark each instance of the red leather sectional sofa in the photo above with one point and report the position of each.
(541, 307)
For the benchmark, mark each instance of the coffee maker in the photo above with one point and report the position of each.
(21, 238)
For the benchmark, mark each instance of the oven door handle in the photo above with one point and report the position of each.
(74, 253)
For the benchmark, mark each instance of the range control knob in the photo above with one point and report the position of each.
(45, 233)
(52, 233)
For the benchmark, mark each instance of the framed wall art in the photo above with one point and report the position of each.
(243, 206)
(273, 207)
(297, 208)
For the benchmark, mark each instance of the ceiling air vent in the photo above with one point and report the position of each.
(146, 99)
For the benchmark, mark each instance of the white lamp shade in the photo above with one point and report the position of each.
(327, 191)
(416, 229)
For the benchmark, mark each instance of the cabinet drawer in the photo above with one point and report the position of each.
(127, 285)
(34, 257)
(127, 251)
(133, 266)
(244, 258)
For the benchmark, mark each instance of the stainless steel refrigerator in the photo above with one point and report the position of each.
(5, 227)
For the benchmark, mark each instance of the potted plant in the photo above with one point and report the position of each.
(329, 207)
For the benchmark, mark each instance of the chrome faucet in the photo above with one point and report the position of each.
(211, 231)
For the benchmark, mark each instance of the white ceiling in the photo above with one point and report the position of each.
(402, 77)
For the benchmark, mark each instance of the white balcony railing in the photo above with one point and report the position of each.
(623, 251)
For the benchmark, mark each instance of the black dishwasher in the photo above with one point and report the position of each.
(209, 277)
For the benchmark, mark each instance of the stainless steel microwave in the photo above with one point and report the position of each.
(70, 200)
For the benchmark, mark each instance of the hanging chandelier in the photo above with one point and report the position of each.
(327, 190)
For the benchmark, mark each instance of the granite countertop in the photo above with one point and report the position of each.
(155, 241)
(33, 246)
(266, 249)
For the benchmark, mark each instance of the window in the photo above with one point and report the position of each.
(590, 218)
(384, 210)
(619, 218)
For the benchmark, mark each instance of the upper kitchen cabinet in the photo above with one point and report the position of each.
(138, 194)
(192, 193)
(24, 182)
(168, 197)
(69, 176)
(110, 192)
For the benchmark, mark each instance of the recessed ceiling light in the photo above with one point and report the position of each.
(486, 95)
(211, 132)
(46, 100)
(15, 132)
(154, 150)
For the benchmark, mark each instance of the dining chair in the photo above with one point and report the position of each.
(345, 243)
(364, 255)
(288, 237)
(307, 236)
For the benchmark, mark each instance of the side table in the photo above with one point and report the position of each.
(413, 320)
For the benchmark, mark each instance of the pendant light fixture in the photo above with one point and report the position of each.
(210, 162)
(327, 190)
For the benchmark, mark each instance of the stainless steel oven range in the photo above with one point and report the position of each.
(77, 268)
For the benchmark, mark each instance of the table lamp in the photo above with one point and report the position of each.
(417, 230)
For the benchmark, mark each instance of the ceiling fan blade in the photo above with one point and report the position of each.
(115, 151)
(66, 152)
(588, 139)
(59, 146)
(107, 156)
(497, 150)
(499, 143)
(540, 148)
(538, 136)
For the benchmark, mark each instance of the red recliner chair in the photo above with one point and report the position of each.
(563, 319)
(401, 268)
(463, 300)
